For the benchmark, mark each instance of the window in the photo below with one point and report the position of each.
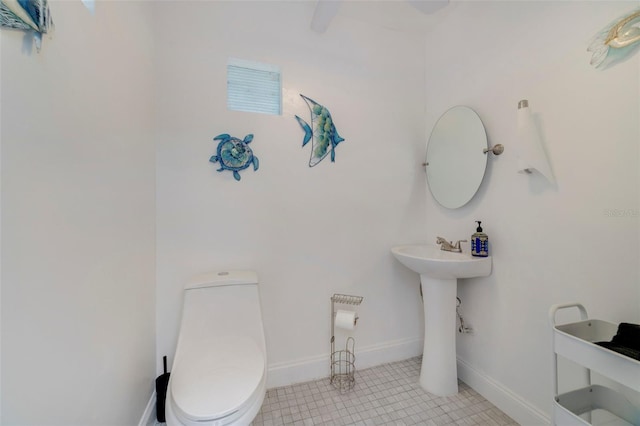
(253, 87)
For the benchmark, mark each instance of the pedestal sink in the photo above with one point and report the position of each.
(439, 273)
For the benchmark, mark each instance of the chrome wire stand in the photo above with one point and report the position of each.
(343, 361)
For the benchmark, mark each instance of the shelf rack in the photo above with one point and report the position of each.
(576, 342)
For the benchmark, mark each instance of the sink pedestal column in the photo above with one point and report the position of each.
(439, 374)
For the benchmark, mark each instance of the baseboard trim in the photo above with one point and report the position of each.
(149, 416)
(501, 396)
(317, 367)
(396, 350)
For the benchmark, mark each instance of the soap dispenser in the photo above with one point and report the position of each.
(479, 242)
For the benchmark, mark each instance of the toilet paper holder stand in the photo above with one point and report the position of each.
(343, 361)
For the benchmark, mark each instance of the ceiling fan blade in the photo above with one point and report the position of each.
(428, 6)
(324, 13)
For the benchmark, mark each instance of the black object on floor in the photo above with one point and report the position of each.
(161, 391)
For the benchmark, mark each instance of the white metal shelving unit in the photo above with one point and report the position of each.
(576, 342)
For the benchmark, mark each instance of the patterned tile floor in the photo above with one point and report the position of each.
(388, 394)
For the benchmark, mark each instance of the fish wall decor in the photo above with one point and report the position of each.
(617, 41)
(27, 15)
(322, 132)
(234, 154)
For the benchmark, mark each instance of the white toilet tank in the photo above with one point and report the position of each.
(219, 370)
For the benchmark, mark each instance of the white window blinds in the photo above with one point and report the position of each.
(253, 87)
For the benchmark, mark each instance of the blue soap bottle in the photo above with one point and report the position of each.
(479, 242)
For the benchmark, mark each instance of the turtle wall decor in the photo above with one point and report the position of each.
(234, 154)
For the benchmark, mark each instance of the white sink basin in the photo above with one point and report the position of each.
(437, 263)
(439, 273)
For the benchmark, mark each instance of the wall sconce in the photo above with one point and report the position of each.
(530, 153)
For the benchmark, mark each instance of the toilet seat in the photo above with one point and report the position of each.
(220, 385)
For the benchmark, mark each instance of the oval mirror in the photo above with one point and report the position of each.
(455, 160)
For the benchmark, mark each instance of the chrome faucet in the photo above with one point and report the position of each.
(449, 246)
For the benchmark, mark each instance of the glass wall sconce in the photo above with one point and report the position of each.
(530, 152)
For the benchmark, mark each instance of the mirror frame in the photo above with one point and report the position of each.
(455, 161)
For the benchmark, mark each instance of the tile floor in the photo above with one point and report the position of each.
(388, 394)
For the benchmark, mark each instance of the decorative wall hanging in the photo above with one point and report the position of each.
(617, 41)
(27, 15)
(234, 154)
(322, 133)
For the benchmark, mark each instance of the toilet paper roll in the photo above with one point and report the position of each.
(346, 319)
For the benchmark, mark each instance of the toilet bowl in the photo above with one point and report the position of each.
(219, 371)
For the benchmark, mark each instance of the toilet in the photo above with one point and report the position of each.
(219, 371)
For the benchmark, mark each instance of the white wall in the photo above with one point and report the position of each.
(0, 237)
(78, 220)
(309, 232)
(550, 244)
(78, 190)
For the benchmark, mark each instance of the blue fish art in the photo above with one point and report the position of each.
(234, 154)
(322, 133)
(27, 15)
(617, 41)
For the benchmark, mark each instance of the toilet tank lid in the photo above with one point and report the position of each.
(221, 278)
